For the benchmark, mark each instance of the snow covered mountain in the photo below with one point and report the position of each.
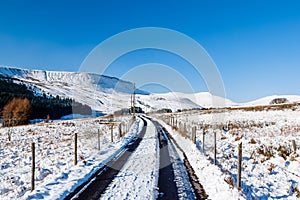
(108, 94)
(207, 100)
(180, 101)
(170, 100)
(102, 93)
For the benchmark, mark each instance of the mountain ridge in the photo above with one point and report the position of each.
(109, 94)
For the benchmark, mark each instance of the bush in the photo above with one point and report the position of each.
(164, 110)
(279, 101)
(16, 112)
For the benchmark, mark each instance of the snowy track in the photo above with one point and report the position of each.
(152, 167)
(103, 178)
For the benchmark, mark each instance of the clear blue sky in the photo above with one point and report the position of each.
(255, 44)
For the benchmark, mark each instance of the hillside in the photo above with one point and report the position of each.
(267, 100)
(102, 93)
(41, 106)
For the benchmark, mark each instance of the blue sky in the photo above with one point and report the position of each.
(255, 44)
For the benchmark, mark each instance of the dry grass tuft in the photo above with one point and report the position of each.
(252, 141)
(223, 137)
(238, 138)
(229, 181)
(271, 168)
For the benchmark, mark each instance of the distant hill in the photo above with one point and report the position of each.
(270, 100)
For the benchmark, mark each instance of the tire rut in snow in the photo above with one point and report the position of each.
(198, 188)
(166, 182)
(98, 183)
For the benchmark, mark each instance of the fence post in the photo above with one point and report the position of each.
(203, 141)
(112, 133)
(120, 131)
(75, 149)
(239, 165)
(32, 166)
(9, 134)
(194, 134)
(215, 147)
(294, 145)
(99, 139)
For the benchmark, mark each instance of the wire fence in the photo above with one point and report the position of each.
(54, 148)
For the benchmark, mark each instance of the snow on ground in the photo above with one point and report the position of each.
(270, 167)
(139, 176)
(56, 174)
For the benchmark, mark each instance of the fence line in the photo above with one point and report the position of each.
(223, 128)
(50, 147)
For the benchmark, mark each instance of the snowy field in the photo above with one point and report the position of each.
(270, 166)
(55, 172)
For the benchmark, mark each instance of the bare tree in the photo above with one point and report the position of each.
(16, 112)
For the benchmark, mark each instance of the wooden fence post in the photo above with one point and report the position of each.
(32, 166)
(215, 147)
(112, 133)
(75, 149)
(294, 146)
(99, 139)
(239, 165)
(194, 134)
(120, 131)
(9, 134)
(203, 141)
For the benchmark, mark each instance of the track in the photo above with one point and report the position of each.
(172, 184)
(99, 182)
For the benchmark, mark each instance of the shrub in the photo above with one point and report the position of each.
(16, 112)
(279, 101)
(252, 141)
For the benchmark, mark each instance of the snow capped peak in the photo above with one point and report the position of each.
(205, 99)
